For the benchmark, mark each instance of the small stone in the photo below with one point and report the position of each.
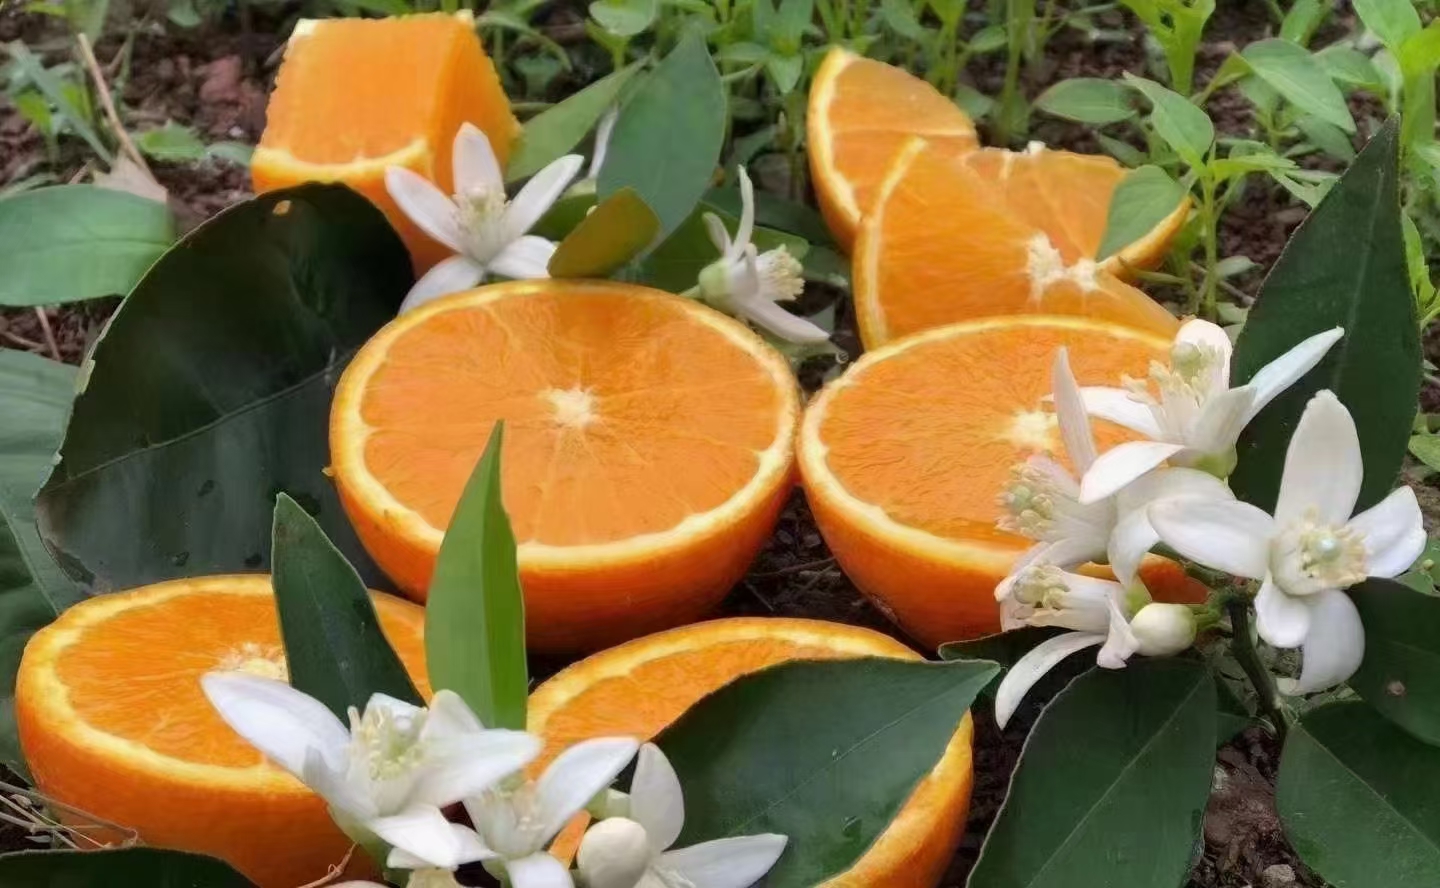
(1278, 875)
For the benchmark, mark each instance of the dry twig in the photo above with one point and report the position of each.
(49, 333)
(107, 104)
(335, 871)
(35, 813)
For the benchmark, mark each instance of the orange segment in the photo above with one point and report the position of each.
(647, 448)
(639, 688)
(355, 96)
(904, 457)
(861, 111)
(113, 722)
(1067, 196)
(941, 246)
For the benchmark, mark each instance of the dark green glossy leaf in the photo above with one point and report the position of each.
(822, 752)
(1400, 676)
(24, 609)
(1004, 648)
(667, 142)
(1303, 81)
(774, 211)
(150, 867)
(1112, 783)
(567, 213)
(1146, 197)
(1231, 716)
(1344, 267)
(1090, 100)
(617, 230)
(72, 242)
(555, 131)
(333, 642)
(1357, 797)
(475, 614)
(210, 392)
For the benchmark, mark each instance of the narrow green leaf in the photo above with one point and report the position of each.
(150, 867)
(71, 242)
(1242, 164)
(172, 142)
(333, 643)
(1393, 21)
(1144, 198)
(475, 614)
(1088, 100)
(667, 142)
(1184, 127)
(822, 752)
(1301, 20)
(1357, 797)
(1419, 55)
(56, 92)
(1124, 152)
(1344, 267)
(1400, 677)
(1303, 81)
(1112, 783)
(620, 228)
(556, 131)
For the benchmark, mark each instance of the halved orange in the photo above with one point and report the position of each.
(1067, 196)
(648, 447)
(860, 112)
(354, 96)
(904, 457)
(639, 688)
(941, 245)
(113, 722)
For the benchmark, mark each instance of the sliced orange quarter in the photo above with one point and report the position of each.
(904, 458)
(113, 722)
(648, 447)
(1067, 196)
(860, 112)
(639, 688)
(354, 96)
(941, 246)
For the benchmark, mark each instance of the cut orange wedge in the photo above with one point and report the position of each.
(639, 688)
(860, 112)
(941, 245)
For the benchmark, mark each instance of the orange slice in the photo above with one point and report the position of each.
(941, 246)
(1067, 196)
(861, 111)
(648, 447)
(113, 722)
(639, 688)
(905, 455)
(354, 96)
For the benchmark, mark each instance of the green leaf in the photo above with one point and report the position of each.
(1419, 55)
(151, 867)
(1303, 81)
(1426, 448)
(1345, 266)
(1087, 100)
(625, 18)
(1238, 164)
(231, 152)
(1350, 67)
(1005, 648)
(1124, 152)
(1400, 677)
(1393, 21)
(822, 752)
(616, 231)
(171, 142)
(1112, 783)
(30, 68)
(333, 642)
(475, 613)
(1301, 20)
(774, 211)
(1144, 198)
(554, 132)
(210, 392)
(900, 17)
(785, 71)
(1184, 127)
(676, 263)
(1327, 137)
(667, 142)
(1357, 797)
(71, 242)
(989, 39)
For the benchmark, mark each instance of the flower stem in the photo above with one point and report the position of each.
(1244, 648)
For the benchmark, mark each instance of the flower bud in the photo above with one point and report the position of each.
(614, 854)
(1163, 629)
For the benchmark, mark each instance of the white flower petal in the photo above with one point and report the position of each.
(1131, 541)
(776, 320)
(1282, 620)
(1207, 335)
(578, 775)
(1030, 668)
(1222, 534)
(1221, 420)
(525, 258)
(449, 716)
(1394, 533)
(602, 140)
(428, 207)
(656, 801)
(1117, 406)
(1334, 647)
(458, 767)
(348, 800)
(1121, 465)
(1283, 372)
(1323, 466)
(736, 862)
(422, 833)
(747, 216)
(449, 276)
(281, 722)
(474, 162)
(1134, 536)
(539, 870)
(719, 236)
(1120, 642)
(1070, 412)
(539, 195)
(1073, 551)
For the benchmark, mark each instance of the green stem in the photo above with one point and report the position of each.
(1244, 648)
(1209, 237)
(1020, 14)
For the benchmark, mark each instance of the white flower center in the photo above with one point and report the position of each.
(1028, 502)
(263, 660)
(781, 275)
(574, 407)
(480, 212)
(510, 820)
(1313, 557)
(1033, 429)
(386, 742)
(1040, 586)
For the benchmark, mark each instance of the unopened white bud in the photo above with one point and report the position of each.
(614, 854)
(1163, 629)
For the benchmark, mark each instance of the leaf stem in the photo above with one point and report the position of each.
(1209, 236)
(1244, 648)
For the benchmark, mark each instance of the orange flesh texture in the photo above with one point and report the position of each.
(1064, 194)
(872, 110)
(113, 721)
(626, 692)
(355, 90)
(942, 246)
